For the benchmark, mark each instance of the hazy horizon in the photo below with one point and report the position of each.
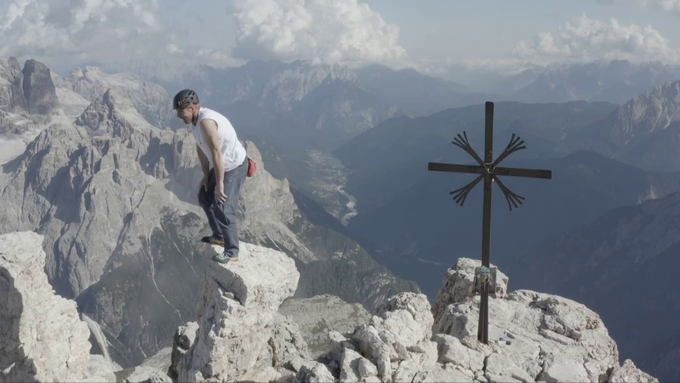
(436, 39)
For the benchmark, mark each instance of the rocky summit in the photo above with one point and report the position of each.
(42, 338)
(241, 332)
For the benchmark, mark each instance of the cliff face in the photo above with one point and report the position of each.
(26, 92)
(41, 336)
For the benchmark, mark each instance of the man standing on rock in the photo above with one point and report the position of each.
(225, 166)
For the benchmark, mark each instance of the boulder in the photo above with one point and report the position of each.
(236, 307)
(458, 285)
(629, 373)
(320, 315)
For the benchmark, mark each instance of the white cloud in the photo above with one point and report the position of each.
(63, 33)
(173, 48)
(585, 39)
(217, 58)
(664, 5)
(672, 6)
(83, 28)
(323, 31)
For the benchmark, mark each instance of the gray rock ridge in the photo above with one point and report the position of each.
(534, 337)
(12, 97)
(41, 336)
(150, 99)
(29, 103)
(115, 199)
(234, 312)
(68, 174)
(317, 316)
(28, 97)
(39, 90)
(239, 335)
(642, 132)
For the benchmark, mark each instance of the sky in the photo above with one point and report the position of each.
(428, 35)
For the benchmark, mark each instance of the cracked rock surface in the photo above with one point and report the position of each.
(33, 348)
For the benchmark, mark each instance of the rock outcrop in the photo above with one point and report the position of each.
(28, 98)
(458, 285)
(235, 311)
(317, 316)
(39, 90)
(12, 98)
(239, 335)
(533, 337)
(41, 336)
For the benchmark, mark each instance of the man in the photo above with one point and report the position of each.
(225, 166)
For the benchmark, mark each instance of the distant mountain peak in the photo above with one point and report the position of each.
(113, 108)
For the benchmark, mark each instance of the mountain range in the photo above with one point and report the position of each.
(605, 159)
(114, 198)
(329, 135)
(615, 81)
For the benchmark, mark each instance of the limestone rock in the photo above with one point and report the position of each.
(397, 339)
(161, 361)
(99, 370)
(237, 304)
(318, 373)
(284, 347)
(457, 286)
(92, 190)
(629, 373)
(39, 90)
(550, 337)
(146, 374)
(150, 99)
(269, 374)
(408, 316)
(184, 339)
(11, 87)
(71, 103)
(451, 350)
(268, 209)
(35, 348)
(318, 316)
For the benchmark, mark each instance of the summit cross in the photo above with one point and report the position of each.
(488, 171)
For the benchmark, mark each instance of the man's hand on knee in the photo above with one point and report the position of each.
(220, 197)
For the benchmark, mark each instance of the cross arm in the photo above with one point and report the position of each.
(475, 169)
(515, 172)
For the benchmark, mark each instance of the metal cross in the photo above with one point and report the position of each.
(489, 171)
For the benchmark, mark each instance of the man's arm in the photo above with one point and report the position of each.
(209, 131)
(205, 165)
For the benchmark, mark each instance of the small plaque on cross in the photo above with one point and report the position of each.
(485, 275)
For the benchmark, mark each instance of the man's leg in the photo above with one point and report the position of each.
(227, 214)
(205, 200)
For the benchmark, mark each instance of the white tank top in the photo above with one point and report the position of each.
(233, 152)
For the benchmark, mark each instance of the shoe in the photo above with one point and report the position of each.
(224, 258)
(213, 240)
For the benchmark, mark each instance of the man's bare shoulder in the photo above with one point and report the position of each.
(208, 126)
